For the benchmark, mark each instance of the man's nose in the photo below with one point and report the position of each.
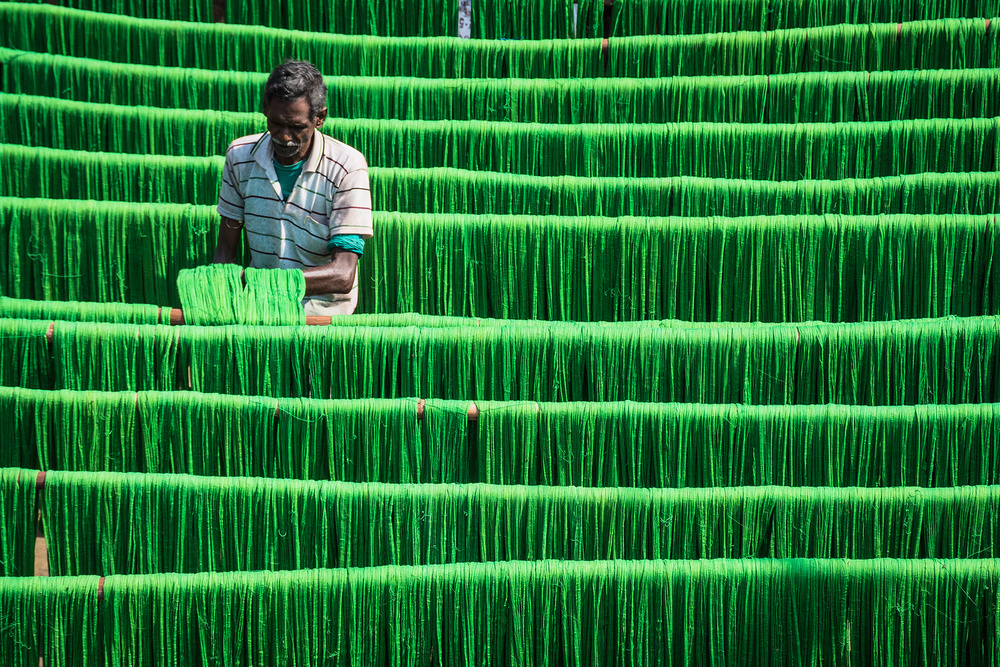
(281, 134)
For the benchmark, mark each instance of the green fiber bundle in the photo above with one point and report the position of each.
(101, 251)
(556, 444)
(423, 18)
(777, 612)
(23, 352)
(646, 17)
(884, 363)
(774, 152)
(44, 172)
(809, 97)
(942, 44)
(768, 268)
(215, 294)
(255, 48)
(58, 174)
(55, 619)
(120, 313)
(549, 19)
(444, 190)
(174, 10)
(18, 519)
(223, 524)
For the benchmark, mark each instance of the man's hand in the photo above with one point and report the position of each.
(230, 235)
(337, 277)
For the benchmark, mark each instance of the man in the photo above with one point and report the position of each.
(302, 197)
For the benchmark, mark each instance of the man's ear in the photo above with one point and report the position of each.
(321, 117)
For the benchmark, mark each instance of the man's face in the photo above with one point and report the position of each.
(292, 128)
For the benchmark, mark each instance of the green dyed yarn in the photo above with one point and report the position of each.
(881, 46)
(23, 352)
(215, 294)
(779, 612)
(55, 618)
(423, 18)
(775, 268)
(114, 357)
(885, 363)
(173, 10)
(741, 269)
(74, 250)
(45, 172)
(216, 524)
(118, 313)
(109, 176)
(445, 190)
(506, 19)
(706, 150)
(941, 44)
(17, 521)
(646, 17)
(571, 444)
(827, 97)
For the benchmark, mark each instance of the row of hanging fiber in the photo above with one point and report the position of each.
(678, 339)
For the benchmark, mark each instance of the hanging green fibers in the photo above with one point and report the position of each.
(96, 523)
(942, 44)
(52, 619)
(532, 19)
(827, 97)
(73, 311)
(18, 520)
(423, 18)
(172, 10)
(697, 445)
(776, 268)
(59, 174)
(708, 150)
(949, 360)
(352, 17)
(571, 444)
(24, 355)
(73, 250)
(740, 269)
(228, 294)
(647, 17)
(746, 611)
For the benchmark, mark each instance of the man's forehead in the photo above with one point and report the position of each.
(297, 109)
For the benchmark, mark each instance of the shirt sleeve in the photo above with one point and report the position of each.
(230, 197)
(351, 205)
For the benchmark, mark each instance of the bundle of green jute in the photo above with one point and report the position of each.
(248, 523)
(807, 97)
(54, 617)
(751, 611)
(606, 444)
(77, 311)
(63, 174)
(228, 294)
(762, 151)
(937, 44)
(18, 515)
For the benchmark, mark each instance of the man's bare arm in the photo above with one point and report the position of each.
(337, 277)
(230, 234)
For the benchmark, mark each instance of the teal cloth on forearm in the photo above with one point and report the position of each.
(351, 242)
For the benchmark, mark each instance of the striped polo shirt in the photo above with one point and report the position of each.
(331, 197)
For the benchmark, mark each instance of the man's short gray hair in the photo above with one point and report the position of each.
(293, 79)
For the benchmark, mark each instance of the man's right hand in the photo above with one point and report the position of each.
(230, 235)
